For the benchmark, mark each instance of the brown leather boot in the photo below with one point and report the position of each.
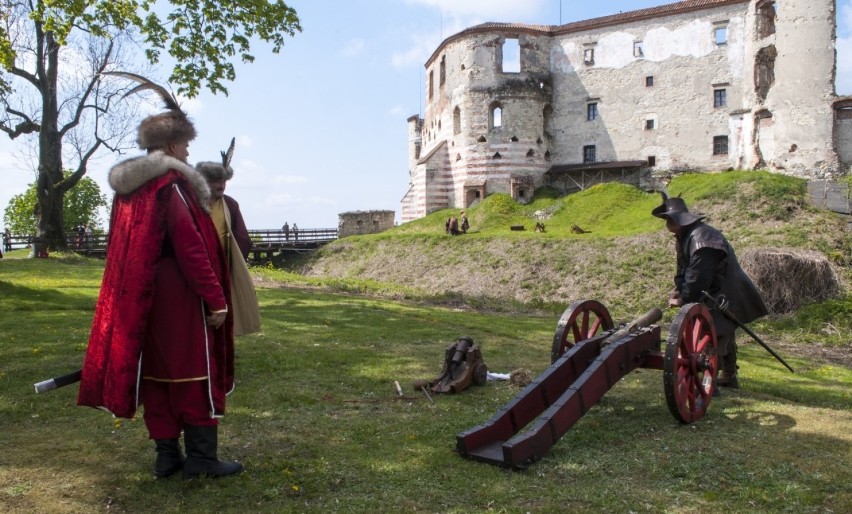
(728, 379)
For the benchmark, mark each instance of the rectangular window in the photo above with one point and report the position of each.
(652, 161)
(589, 55)
(637, 49)
(589, 153)
(720, 145)
(649, 81)
(721, 35)
(511, 56)
(591, 111)
(431, 84)
(649, 124)
(720, 98)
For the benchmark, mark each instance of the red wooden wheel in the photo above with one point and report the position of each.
(580, 321)
(689, 368)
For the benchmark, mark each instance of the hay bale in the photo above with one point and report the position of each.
(521, 377)
(790, 278)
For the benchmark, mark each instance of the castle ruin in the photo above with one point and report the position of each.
(692, 85)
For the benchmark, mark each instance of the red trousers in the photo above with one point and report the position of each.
(171, 405)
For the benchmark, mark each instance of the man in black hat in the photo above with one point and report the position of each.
(707, 262)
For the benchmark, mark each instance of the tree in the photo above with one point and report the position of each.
(82, 205)
(53, 54)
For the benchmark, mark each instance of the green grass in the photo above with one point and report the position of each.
(316, 421)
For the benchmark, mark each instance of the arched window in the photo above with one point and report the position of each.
(443, 69)
(495, 115)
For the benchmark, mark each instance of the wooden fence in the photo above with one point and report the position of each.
(265, 243)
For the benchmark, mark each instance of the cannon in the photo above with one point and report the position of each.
(589, 356)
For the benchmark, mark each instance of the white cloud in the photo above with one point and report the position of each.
(421, 47)
(496, 10)
(353, 47)
(397, 111)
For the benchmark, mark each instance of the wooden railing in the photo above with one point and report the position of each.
(265, 243)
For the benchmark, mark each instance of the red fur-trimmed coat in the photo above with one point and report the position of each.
(165, 270)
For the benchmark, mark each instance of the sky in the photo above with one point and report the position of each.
(321, 126)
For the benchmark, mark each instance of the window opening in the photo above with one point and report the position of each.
(649, 124)
(720, 145)
(720, 34)
(591, 111)
(443, 69)
(482, 139)
(530, 153)
(497, 156)
(720, 98)
(637, 49)
(431, 86)
(514, 139)
(511, 56)
(766, 14)
(589, 56)
(652, 161)
(764, 72)
(589, 153)
(649, 81)
(496, 116)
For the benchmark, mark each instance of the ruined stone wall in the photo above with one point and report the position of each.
(364, 222)
(739, 85)
(798, 87)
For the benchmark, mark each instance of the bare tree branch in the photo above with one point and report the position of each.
(27, 126)
(107, 56)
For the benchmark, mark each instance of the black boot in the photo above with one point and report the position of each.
(169, 459)
(201, 460)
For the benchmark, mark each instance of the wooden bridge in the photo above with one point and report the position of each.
(265, 243)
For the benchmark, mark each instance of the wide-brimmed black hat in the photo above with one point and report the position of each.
(675, 209)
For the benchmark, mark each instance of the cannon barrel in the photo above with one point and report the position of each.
(643, 321)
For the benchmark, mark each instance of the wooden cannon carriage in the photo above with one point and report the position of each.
(589, 356)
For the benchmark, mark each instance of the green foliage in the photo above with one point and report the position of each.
(82, 204)
(203, 36)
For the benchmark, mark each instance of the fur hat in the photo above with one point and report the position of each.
(158, 130)
(675, 209)
(218, 170)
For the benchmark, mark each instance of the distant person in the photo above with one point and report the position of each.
(7, 240)
(464, 223)
(235, 240)
(452, 226)
(295, 232)
(88, 236)
(707, 262)
(80, 229)
(162, 333)
(286, 229)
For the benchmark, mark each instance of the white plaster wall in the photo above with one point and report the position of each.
(681, 54)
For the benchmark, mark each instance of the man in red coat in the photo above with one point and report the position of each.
(162, 334)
